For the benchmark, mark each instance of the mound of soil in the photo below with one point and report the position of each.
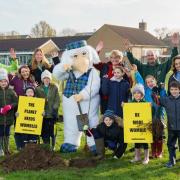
(37, 157)
(33, 157)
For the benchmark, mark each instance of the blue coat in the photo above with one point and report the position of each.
(157, 110)
(117, 92)
(172, 107)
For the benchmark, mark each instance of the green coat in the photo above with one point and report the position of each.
(52, 99)
(13, 67)
(159, 71)
(7, 97)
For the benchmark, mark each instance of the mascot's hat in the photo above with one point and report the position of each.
(76, 44)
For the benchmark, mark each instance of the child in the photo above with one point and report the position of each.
(117, 90)
(8, 101)
(153, 94)
(172, 104)
(27, 138)
(106, 69)
(49, 91)
(109, 134)
(138, 96)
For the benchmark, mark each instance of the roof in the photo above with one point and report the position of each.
(32, 43)
(136, 36)
(15, 36)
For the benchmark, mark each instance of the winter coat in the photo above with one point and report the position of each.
(153, 96)
(20, 85)
(113, 133)
(117, 92)
(12, 67)
(37, 72)
(172, 107)
(52, 99)
(7, 97)
(107, 69)
(159, 71)
(137, 78)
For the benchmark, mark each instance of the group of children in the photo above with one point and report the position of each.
(108, 133)
(9, 102)
(117, 89)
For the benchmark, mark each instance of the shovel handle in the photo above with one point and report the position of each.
(79, 107)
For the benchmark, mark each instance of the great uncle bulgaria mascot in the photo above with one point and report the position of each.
(78, 59)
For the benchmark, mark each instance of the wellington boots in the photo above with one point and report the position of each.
(6, 145)
(153, 150)
(146, 156)
(159, 148)
(137, 155)
(1, 147)
(53, 143)
(100, 149)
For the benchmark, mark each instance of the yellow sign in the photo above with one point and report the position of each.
(137, 123)
(30, 117)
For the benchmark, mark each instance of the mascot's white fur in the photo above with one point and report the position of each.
(80, 60)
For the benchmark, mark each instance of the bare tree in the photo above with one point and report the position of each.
(161, 33)
(43, 29)
(13, 33)
(9, 35)
(68, 32)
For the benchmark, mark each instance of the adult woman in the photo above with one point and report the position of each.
(40, 63)
(22, 80)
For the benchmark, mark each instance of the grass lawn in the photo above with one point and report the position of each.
(107, 169)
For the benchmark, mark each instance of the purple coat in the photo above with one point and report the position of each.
(20, 85)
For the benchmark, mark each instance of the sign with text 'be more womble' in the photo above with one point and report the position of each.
(137, 123)
(30, 117)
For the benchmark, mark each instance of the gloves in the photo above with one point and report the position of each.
(5, 109)
(1, 111)
(87, 131)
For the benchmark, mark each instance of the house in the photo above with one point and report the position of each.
(167, 40)
(25, 47)
(18, 36)
(114, 37)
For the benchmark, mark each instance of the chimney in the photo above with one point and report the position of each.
(143, 26)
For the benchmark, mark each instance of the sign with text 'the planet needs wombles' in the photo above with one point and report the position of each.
(29, 120)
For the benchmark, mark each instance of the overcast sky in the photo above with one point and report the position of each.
(86, 15)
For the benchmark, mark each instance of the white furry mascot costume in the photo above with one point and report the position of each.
(80, 58)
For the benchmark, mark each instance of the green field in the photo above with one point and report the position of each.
(107, 169)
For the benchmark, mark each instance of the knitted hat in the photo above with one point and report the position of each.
(110, 114)
(4, 74)
(46, 74)
(29, 87)
(138, 88)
